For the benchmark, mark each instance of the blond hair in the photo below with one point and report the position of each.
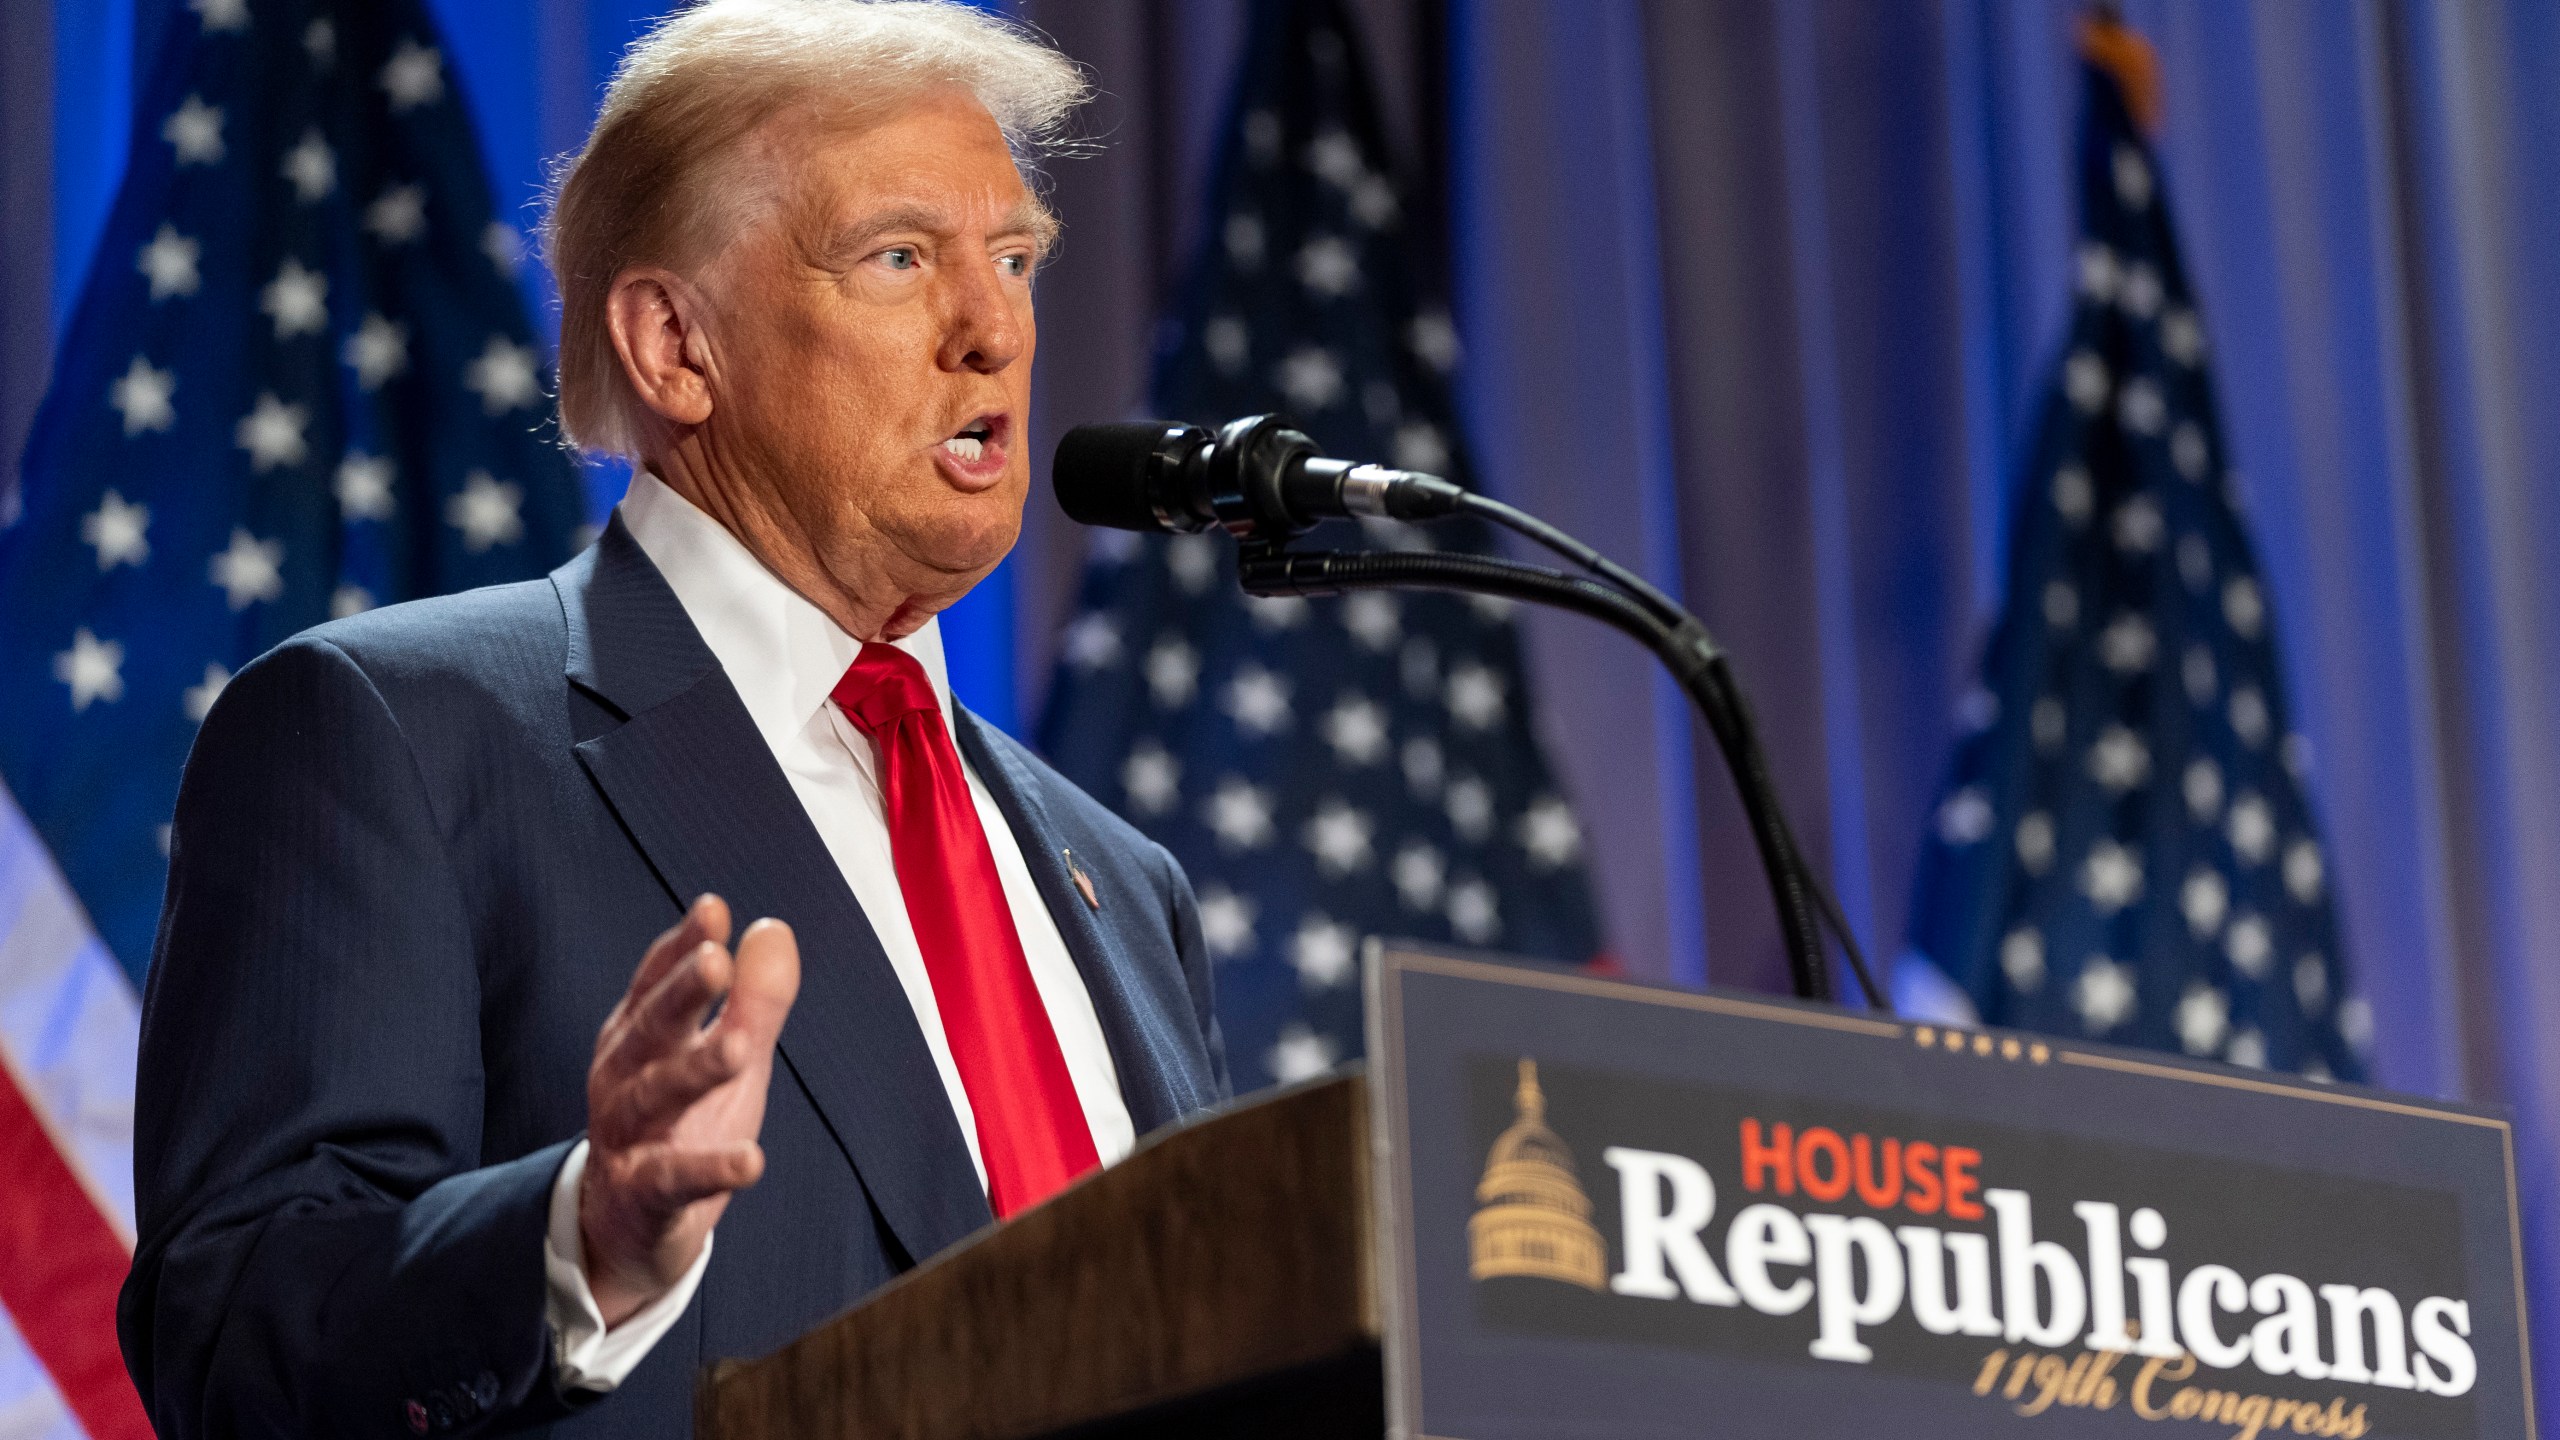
(648, 186)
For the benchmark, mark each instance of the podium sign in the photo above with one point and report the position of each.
(1614, 1210)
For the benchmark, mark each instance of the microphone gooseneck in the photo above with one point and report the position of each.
(1265, 483)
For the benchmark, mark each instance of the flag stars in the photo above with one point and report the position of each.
(221, 16)
(197, 699)
(2034, 841)
(2250, 945)
(249, 570)
(2137, 525)
(2252, 828)
(1374, 619)
(2132, 176)
(2073, 495)
(2022, 959)
(2248, 1049)
(364, 487)
(1226, 921)
(1469, 805)
(1356, 728)
(1328, 266)
(116, 530)
(1373, 202)
(1245, 240)
(486, 512)
(320, 42)
(1274, 613)
(2243, 608)
(2197, 672)
(1299, 1054)
(297, 300)
(1311, 378)
(1550, 834)
(1335, 157)
(194, 132)
(1323, 951)
(1092, 643)
(1193, 560)
(2205, 899)
(93, 668)
(2119, 760)
(1418, 873)
(2249, 718)
(2202, 785)
(1258, 699)
(1239, 815)
(504, 245)
(2111, 877)
(2181, 337)
(1338, 836)
(1418, 445)
(1474, 912)
(2195, 563)
(2140, 408)
(1434, 338)
(1173, 673)
(2311, 983)
(141, 395)
(505, 376)
(2127, 645)
(2303, 872)
(2203, 1018)
(1475, 696)
(2140, 294)
(272, 433)
(1152, 778)
(2103, 995)
(1229, 344)
(413, 76)
(312, 167)
(398, 215)
(349, 600)
(1965, 816)
(168, 261)
(2085, 380)
(377, 351)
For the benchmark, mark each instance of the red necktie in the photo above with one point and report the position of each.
(1032, 1133)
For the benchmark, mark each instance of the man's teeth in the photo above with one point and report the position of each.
(965, 447)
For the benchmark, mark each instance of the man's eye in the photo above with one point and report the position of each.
(902, 257)
(1014, 264)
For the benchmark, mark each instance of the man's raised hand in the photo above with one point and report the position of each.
(674, 1106)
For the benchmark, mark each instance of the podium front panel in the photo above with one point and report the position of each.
(1617, 1210)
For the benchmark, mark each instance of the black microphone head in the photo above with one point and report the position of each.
(1110, 475)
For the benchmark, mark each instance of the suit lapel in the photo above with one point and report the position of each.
(1130, 1025)
(697, 788)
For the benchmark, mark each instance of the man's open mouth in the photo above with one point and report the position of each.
(969, 443)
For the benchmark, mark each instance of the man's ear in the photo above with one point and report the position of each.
(655, 319)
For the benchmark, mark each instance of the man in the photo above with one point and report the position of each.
(418, 1149)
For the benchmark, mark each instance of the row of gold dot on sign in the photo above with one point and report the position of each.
(2008, 1047)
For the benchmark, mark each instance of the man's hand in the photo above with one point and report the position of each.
(673, 1106)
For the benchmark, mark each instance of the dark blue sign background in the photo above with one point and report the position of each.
(2330, 1184)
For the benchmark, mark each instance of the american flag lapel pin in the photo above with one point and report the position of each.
(1084, 882)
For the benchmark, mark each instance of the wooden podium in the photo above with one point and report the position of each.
(1558, 1205)
(1218, 1281)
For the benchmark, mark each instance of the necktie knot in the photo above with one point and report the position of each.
(883, 685)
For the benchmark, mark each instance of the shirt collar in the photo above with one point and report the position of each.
(781, 653)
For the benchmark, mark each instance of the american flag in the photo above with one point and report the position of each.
(300, 382)
(1336, 768)
(2126, 848)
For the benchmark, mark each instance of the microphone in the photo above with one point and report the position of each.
(1257, 478)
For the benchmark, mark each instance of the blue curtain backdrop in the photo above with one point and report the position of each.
(1757, 294)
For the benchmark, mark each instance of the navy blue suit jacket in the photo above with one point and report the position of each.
(417, 855)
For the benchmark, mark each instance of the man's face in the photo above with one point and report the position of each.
(872, 368)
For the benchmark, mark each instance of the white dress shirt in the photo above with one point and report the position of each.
(784, 656)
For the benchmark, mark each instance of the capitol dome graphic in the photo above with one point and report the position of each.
(1531, 1215)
